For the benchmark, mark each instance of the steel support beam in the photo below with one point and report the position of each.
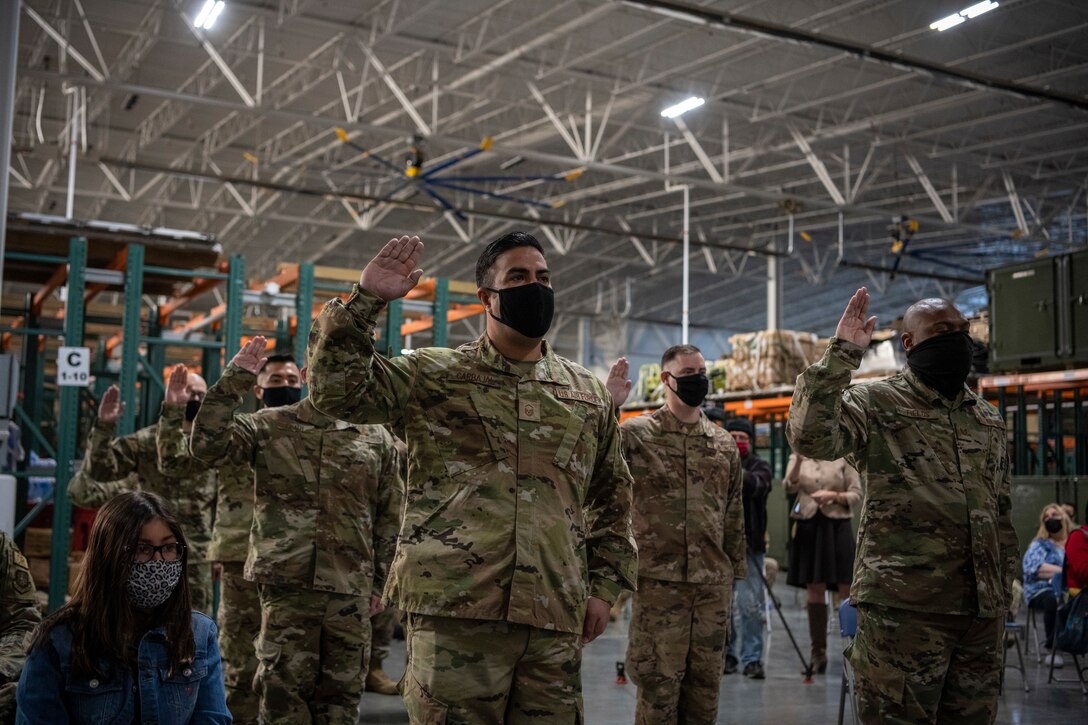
(304, 311)
(232, 328)
(700, 153)
(130, 337)
(1014, 201)
(229, 74)
(62, 42)
(393, 86)
(441, 307)
(817, 166)
(555, 159)
(9, 55)
(152, 395)
(67, 427)
(931, 191)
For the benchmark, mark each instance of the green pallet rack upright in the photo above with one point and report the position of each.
(67, 426)
(304, 312)
(130, 337)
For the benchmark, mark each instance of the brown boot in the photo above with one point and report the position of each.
(817, 632)
(378, 682)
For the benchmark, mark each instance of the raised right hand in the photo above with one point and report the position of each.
(111, 407)
(177, 387)
(251, 356)
(853, 327)
(619, 387)
(393, 273)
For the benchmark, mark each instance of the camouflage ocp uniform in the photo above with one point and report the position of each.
(113, 464)
(239, 615)
(19, 616)
(517, 511)
(937, 553)
(688, 516)
(327, 499)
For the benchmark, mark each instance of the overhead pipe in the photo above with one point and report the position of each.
(423, 208)
(911, 273)
(728, 21)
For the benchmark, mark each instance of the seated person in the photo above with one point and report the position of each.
(1042, 563)
(127, 647)
(1076, 558)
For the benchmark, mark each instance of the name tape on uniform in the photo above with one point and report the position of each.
(74, 366)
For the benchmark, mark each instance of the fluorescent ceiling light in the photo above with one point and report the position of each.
(683, 107)
(950, 22)
(963, 15)
(675, 13)
(975, 10)
(209, 14)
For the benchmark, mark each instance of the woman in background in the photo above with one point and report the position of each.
(1042, 563)
(127, 647)
(822, 553)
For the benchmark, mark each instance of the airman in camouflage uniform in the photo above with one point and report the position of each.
(239, 615)
(113, 464)
(516, 535)
(688, 516)
(327, 501)
(19, 616)
(937, 553)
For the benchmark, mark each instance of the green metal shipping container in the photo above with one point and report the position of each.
(1039, 314)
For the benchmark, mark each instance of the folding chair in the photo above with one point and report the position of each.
(1016, 629)
(848, 627)
(1031, 633)
(1081, 669)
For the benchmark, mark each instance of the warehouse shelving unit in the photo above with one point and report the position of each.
(146, 334)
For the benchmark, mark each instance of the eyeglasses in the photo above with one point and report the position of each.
(167, 552)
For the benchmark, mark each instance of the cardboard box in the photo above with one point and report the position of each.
(39, 570)
(38, 542)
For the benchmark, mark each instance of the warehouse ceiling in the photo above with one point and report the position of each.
(977, 133)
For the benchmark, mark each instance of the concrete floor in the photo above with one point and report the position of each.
(782, 697)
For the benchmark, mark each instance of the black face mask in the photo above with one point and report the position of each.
(283, 395)
(943, 362)
(1053, 525)
(527, 308)
(691, 389)
(191, 409)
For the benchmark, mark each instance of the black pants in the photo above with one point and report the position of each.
(1047, 603)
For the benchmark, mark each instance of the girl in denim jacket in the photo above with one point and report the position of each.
(127, 648)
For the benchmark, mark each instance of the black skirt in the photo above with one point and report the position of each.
(822, 552)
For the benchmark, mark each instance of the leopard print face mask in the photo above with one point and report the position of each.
(150, 583)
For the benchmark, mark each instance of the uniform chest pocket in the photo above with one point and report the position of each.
(467, 439)
(281, 456)
(97, 700)
(181, 688)
(996, 442)
(913, 450)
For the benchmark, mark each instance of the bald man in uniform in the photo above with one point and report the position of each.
(937, 553)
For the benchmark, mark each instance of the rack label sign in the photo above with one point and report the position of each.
(74, 366)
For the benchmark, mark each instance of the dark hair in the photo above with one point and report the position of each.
(100, 616)
(505, 243)
(742, 425)
(279, 357)
(676, 351)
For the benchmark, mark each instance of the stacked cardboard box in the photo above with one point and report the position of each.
(770, 358)
(37, 547)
